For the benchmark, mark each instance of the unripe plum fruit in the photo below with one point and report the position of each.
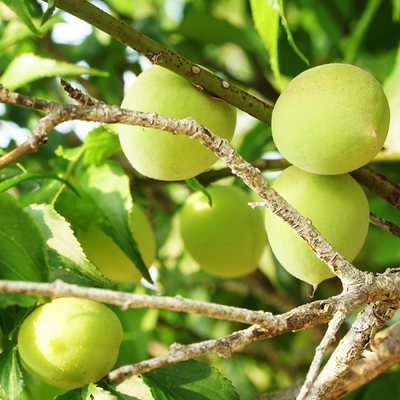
(336, 205)
(331, 119)
(70, 342)
(110, 259)
(162, 155)
(226, 239)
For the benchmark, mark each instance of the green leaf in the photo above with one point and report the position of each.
(64, 250)
(22, 246)
(21, 300)
(100, 143)
(266, 21)
(108, 187)
(284, 22)
(15, 180)
(69, 154)
(49, 12)
(391, 88)
(89, 392)
(352, 44)
(189, 380)
(19, 7)
(10, 374)
(195, 185)
(29, 67)
(396, 10)
(10, 319)
(129, 389)
(3, 396)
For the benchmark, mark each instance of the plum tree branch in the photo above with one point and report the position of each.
(166, 58)
(384, 355)
(250, 175)
(359, 287)
(374, 316)
(333, 327)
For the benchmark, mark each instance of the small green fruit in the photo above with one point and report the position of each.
(161, 155)
(336, 205)
(227, 239)
(331, 119)
(110, 260)
(70, 342)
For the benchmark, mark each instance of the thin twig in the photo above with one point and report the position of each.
(387, 226)
(224, 347)
(320, 352)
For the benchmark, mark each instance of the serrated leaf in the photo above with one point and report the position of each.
(15, 180)
(22, 246)
(28, 68)
(11, 380)
(49, 12)
(195, 185)
(89, 392)
(266, 22)
(108, 187)
(69, 154)
(130, 389)
(100, 143)
(189, 380)
(64, 251)
(19, 7)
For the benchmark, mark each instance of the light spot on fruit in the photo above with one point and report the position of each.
(376, 140)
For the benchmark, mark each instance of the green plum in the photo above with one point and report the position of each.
(108, 257)
(331, 119)
(161, 155)
(226, 239)
(336, 205)
(70, 342)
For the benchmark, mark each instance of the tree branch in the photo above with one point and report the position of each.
(351, 346)
(333, 327)
(166, 58)
(250, 175)
(384, 355)
(387, 226)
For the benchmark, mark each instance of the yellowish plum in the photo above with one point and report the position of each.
(70, 342)
(331, 119)
(162, 155)
(108, 257)
(336, 205)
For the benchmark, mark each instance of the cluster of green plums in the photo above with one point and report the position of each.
(329, 120)
(225, 237)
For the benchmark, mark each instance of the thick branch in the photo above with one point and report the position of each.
(384, 355)
(166, 58)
